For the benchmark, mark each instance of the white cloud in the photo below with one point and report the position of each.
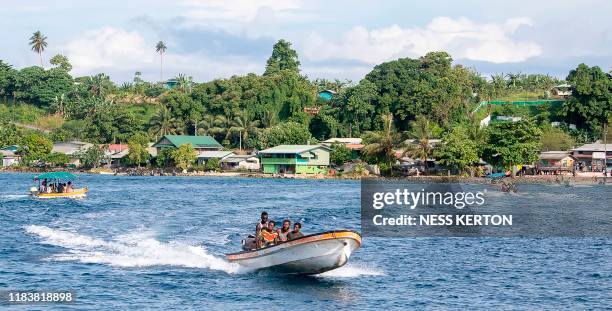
(462, 38)
(108, 48)
(120, 53)
(249, 17)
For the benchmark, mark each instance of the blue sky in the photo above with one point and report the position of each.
(335, 39)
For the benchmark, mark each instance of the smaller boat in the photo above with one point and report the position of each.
(311, 254)
(57, 185)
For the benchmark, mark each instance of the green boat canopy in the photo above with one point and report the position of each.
(56, 175)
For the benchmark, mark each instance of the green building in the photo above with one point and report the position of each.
(295, 159)
(199, 143)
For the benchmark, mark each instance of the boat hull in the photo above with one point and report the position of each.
(311, 254)
(77, 193)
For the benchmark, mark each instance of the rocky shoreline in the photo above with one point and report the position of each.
(529, 179)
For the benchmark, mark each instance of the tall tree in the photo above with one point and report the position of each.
(61, 61)
(283, 58)
(38, 43)
(512, 143)
(380, 145)
(163, 123)
(590, 105)
(457, 150)
(244, 125)
(161, 49)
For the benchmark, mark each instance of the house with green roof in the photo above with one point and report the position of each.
(295, 159)
(199, 143)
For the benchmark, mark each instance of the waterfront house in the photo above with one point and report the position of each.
(555, 161)
(204, 156)
(73, 149)
(591, 157)
(241, 162)
(199, 143)
(353, 144)
(9, 156)
(294, 159)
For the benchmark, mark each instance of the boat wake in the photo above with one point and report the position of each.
(131, 250)
(352, 270)
(13, 197)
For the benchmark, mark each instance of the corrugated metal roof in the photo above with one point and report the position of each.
(554, 155)
(293, 149)
(214, 154)
(344, 140)
(594, 147)
(195, 141)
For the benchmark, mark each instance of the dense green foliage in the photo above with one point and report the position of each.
(340, 154)
(512, 143)
(184, 156)
(458, 152)
(591, 103)
(418, 99)
(138, 153)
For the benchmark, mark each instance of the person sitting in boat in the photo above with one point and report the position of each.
(284, 230)
(263, 223)
(268, 235)
(43, 186)
(296, 232)
(68, 187)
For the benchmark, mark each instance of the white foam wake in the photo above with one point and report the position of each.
(352, 270)
(131, 250)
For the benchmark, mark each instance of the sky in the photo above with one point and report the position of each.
(335, 39)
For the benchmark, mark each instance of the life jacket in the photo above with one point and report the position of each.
(268, 236)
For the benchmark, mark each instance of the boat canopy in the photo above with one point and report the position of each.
(56, 175)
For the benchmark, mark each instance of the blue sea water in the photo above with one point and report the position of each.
(159, 243)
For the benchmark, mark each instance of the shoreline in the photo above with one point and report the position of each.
(529, 179)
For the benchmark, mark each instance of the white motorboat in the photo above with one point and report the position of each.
(311, 254)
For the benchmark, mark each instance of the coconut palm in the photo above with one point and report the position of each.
(244, 125)
(420, 132)
(206, 126)
(161, 49)
(382, 143)
(38, 43)
(268, 118)
(163, 123)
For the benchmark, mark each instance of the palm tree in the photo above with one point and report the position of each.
(269, 118)
(161, 49)
(381, 143)
(244, 125)
(38, 43)
(206, 126)
(420, 132)
(163, 123)
(184, 83)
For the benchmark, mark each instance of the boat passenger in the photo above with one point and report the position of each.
(269, 236)
(284, 230)
(43, 186)
(296, 232)
(68, 188)
(263, 223)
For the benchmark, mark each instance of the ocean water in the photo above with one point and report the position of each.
(159, 243)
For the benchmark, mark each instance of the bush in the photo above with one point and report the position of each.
(213, 164)
(57, 159)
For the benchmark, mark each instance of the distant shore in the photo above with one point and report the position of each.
(528, 179)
